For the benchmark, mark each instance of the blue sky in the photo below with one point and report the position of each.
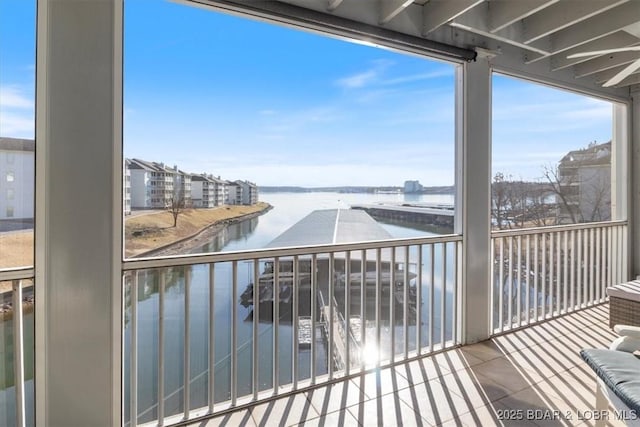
(248, 100)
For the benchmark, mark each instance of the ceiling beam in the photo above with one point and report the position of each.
(477, 21)
(562, 15)
(604, 62)
(390, 8)
(606, 75)
(595, 27)
(618, 39)
(438, 12)
(333, 5)
(503, 13)
(633, 79)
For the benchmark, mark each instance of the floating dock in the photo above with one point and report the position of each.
(439, 215)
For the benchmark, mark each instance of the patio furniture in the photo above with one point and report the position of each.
(624, 304)
(618, 372)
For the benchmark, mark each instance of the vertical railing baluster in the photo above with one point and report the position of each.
(536, 270)
(276, 324)
(493, 295)
(565, 273)
(443, 297)
(295, 290)
(314, 314)
(579, 267)
(133, 392)
(363, 295)
(255, 373)
(618, 256)
(432, 304)
(527, 296)
(187, 343)
(405, 310)
(510, 282)
(552, 270)
(603, 268)
(419, 301)
(585, 267)
(378, 303)
(624, 249)
(501, 285)
(544, 277)
(591, 266)
(161, 318)
(572, 250)
(212, 338)
(454, 318)
(18, 352)
(347, 310)
(392, 306)
(331, 320)
(597, 265)
(519, 281)
(234, 332)
(560, 277)
(610, 257)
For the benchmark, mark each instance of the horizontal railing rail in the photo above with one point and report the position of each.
(23, 273)
(182, 260)
(203, 334)
(546, 272)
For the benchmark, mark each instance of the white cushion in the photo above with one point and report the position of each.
(629, 290)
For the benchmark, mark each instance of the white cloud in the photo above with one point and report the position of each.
(15, 97)
(358, 80)
(16, 125)
(16, 112)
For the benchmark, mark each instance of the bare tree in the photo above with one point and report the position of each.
(176, 206)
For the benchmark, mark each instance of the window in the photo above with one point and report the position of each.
(10, 176)
(9, 211)
(10, 194)
(552, 156)
(334, 126)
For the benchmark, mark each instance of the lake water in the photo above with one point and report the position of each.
(288, 208)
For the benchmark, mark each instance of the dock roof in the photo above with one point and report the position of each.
(331, 226)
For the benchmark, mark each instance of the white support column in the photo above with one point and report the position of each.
(634, 147)
(78, 220)
(476, 199)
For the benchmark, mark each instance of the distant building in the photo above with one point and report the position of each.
(182, 186)
(203, 192)
(17, 166)
(152, 184)
(412, 187)
(234, 194)
(249, 192)
(585, 185)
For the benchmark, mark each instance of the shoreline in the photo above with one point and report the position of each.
(200, 237)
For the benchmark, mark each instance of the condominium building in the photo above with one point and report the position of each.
(16, 178)
(203, 192)
(585, 185)
(152, 184)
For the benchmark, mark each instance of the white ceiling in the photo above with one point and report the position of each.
(542, 32)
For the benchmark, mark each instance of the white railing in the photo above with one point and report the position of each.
(546, 272)
(197, 343)
(12, 300)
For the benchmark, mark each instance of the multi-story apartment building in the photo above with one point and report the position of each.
(152, 184)
(234, 193)
(203, 193)
(182, 186)
(249, 192)
(16, 178)
(585, 185)
(221, 190)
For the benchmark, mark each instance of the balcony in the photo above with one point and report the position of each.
(374, 330)
(533, 376)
